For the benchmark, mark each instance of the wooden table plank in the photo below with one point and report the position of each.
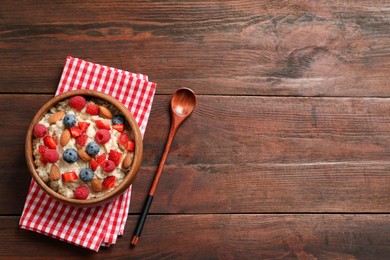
(248, 129)
(294, 48)
(249, 236)
(267, 188)
(266, 154)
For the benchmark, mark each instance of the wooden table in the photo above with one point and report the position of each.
(286, 155)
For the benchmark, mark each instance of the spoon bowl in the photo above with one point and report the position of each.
(183, 102)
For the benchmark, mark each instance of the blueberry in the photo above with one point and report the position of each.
(86, 174)
(69, 120)
(92, 148)
(118, 119)
(70, 155)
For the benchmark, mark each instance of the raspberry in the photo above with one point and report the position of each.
(81, 192)
(82, 140)
(102, 136)
(42, 149)
(77, 102)
(108, 166)
(115, 156)
(109, 182)
(92, 109)
(40, 130)
(51, 155)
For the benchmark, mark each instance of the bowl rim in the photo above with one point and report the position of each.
(131, 174)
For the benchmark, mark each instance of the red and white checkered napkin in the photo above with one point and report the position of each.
(90, 227)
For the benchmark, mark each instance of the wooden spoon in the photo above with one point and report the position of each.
(182, 104)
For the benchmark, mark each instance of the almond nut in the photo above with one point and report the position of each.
(83, 155)
(54, 173)
(127, 161)
(57, 116)
(104, 112)
(65, 137)
(96, 185)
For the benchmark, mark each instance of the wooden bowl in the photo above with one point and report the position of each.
(131, 174)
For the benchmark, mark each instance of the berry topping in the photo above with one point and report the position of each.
(92, 109)
(81, 192)
(94, 164)
(102, 124)
(69, 176)
(49, 142)
(86, 174)
(69, 120)
(42, 149)
(108, 166)
(83, 126)
(109, 182)
(102, 136)
(92, 148)
(70, 155)
(130, 146)
(123, 138)
(82, 140)
(77, 102)
(51, 155)
(115, 156)
(119, 127)
(118, 120)
(40, 130)
(84, 146)
(101, 158)
(43, 160)
(75, 131)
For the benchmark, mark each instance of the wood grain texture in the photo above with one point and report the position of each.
(265, 155)
(244, 129)
(240, 188)
(286, 154)
(228, 236)
(293, 48)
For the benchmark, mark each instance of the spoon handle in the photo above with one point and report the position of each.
(149, 199)
(141, 221)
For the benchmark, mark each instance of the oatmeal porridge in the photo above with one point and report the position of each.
(83, 147)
